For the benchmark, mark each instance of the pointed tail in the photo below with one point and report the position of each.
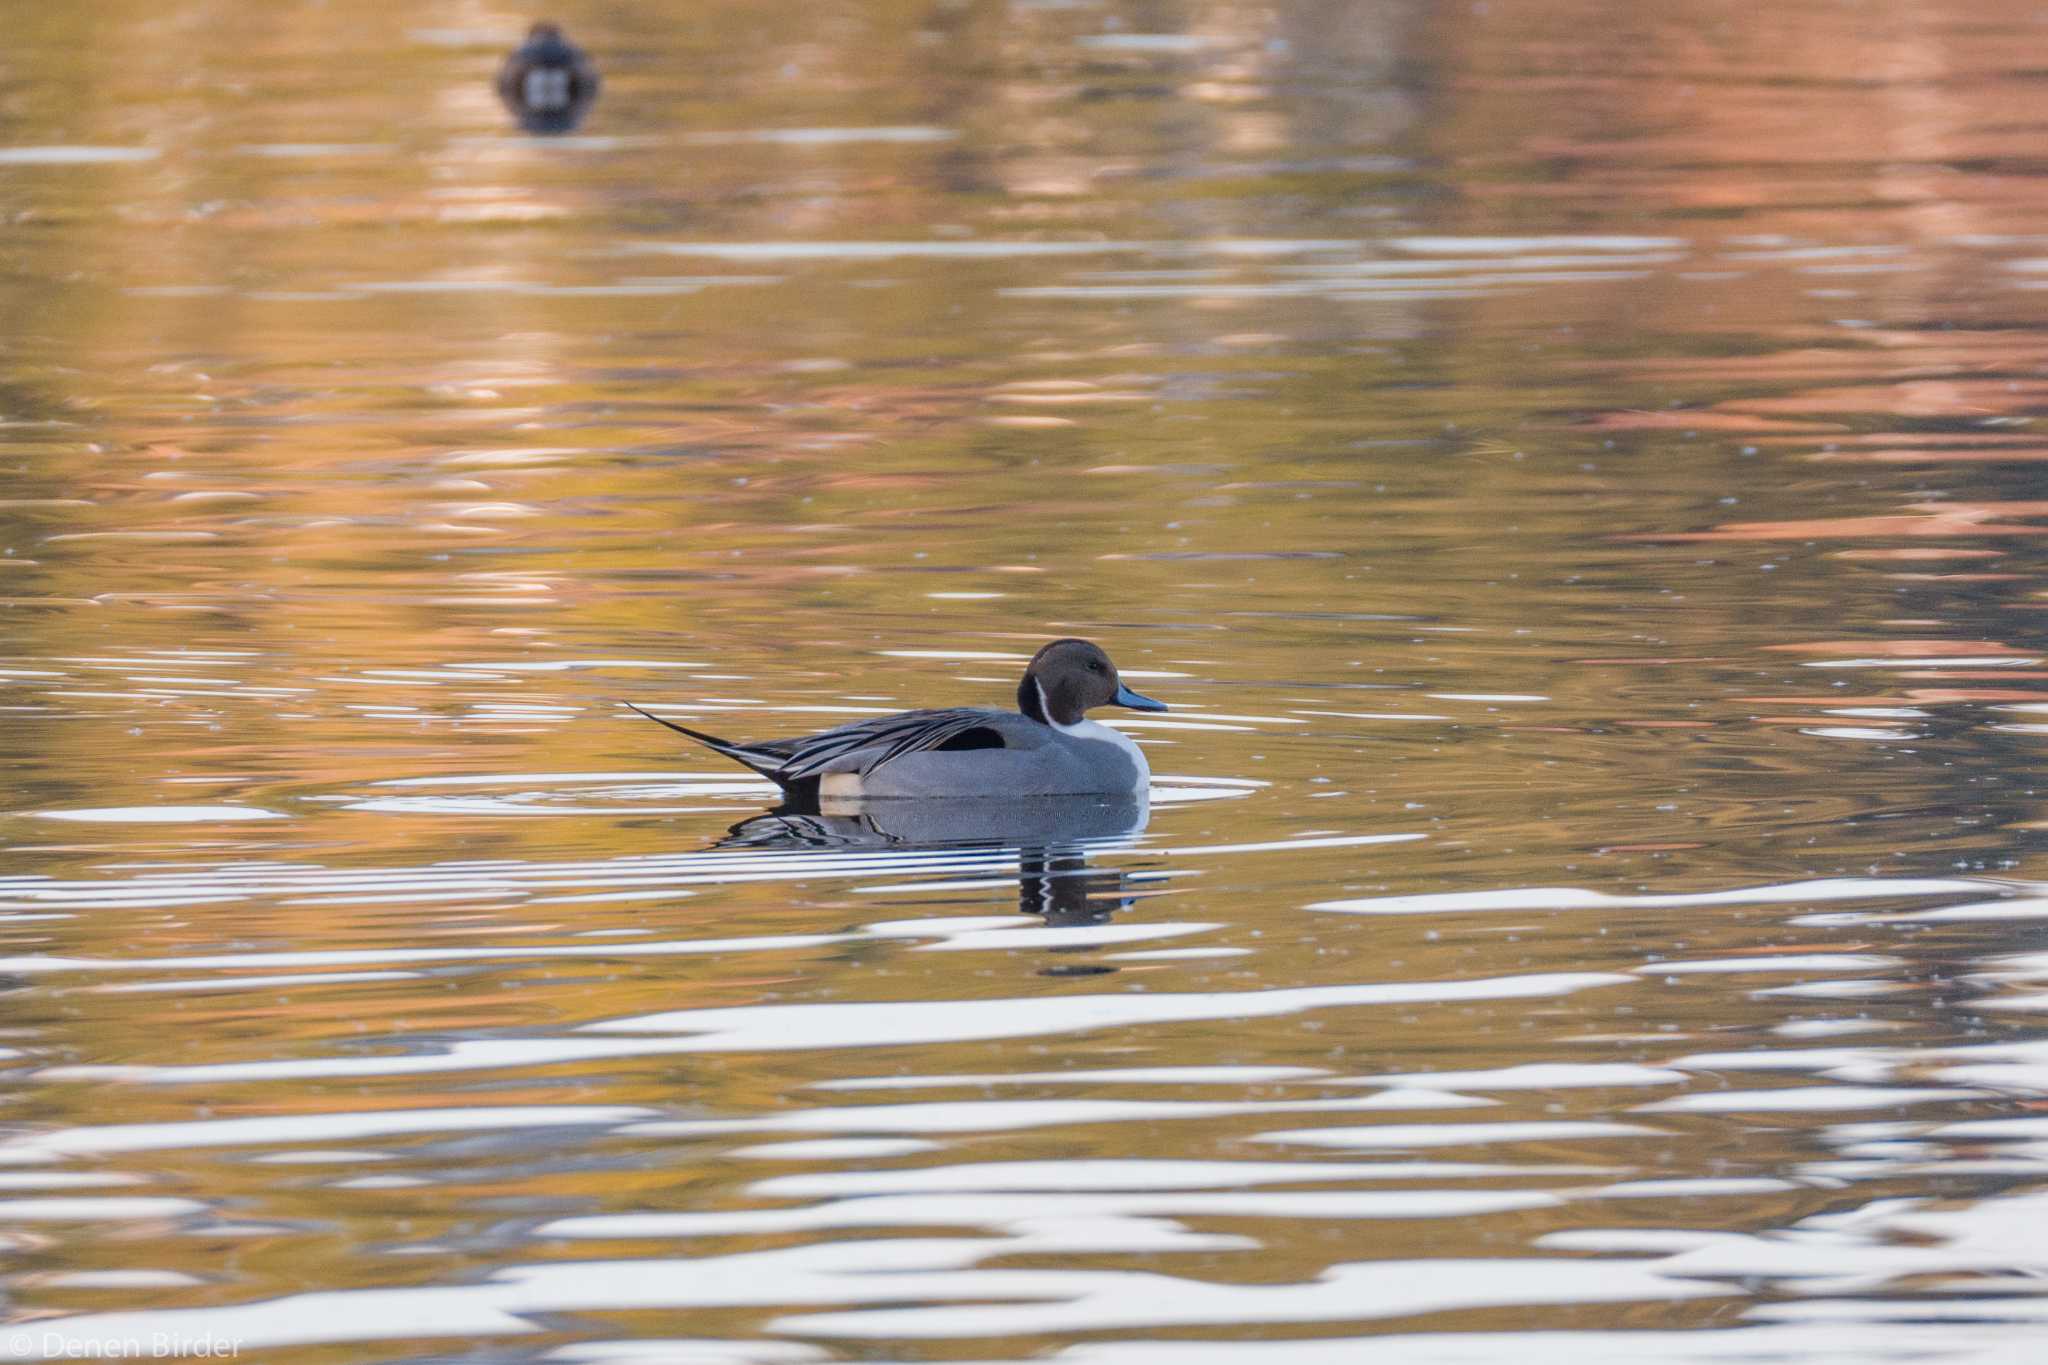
(764, 764)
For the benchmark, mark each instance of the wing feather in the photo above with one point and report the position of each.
(861, 747)
(866, 745)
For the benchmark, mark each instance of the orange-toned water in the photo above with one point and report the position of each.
(1570, 468)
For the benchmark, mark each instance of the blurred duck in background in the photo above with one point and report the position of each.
(547, 82)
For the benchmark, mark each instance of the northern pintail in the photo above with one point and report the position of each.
(1046, 747)
(547, 81)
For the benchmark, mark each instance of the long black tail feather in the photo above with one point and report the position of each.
(765, 764)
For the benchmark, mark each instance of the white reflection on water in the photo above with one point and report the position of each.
(1008, 1116)
(782, 1028)
(1804, 1099)
(1110, 1174)
(823, 137)
(1575, 898)
(1087, 1301)
(159, 815)
(870, 1023)
(1021, 1213)
(1399, 1136)
(1811, 1344)
(1145, 1075)
(94, 1210)
(834, 1149)
(73, 155)
(935, 1270)
(144, 1137)
(691, 1351)
(1533, 1076)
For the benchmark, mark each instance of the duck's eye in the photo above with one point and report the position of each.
(1095, 667)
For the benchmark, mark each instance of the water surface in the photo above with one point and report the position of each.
(1569, 469)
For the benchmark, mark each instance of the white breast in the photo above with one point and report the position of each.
(547, 87)
(1095, 730)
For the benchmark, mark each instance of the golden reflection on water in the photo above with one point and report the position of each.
(1569, 468)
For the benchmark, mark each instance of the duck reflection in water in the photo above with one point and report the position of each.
(1052, 837)
(548, 82)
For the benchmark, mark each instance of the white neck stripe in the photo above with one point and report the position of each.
(1045, 709)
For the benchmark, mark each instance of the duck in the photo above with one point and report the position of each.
(1046, 747)
(547, 82)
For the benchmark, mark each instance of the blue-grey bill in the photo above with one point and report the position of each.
(1125, 697)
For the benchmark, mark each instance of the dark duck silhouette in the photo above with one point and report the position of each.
(547, 82)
